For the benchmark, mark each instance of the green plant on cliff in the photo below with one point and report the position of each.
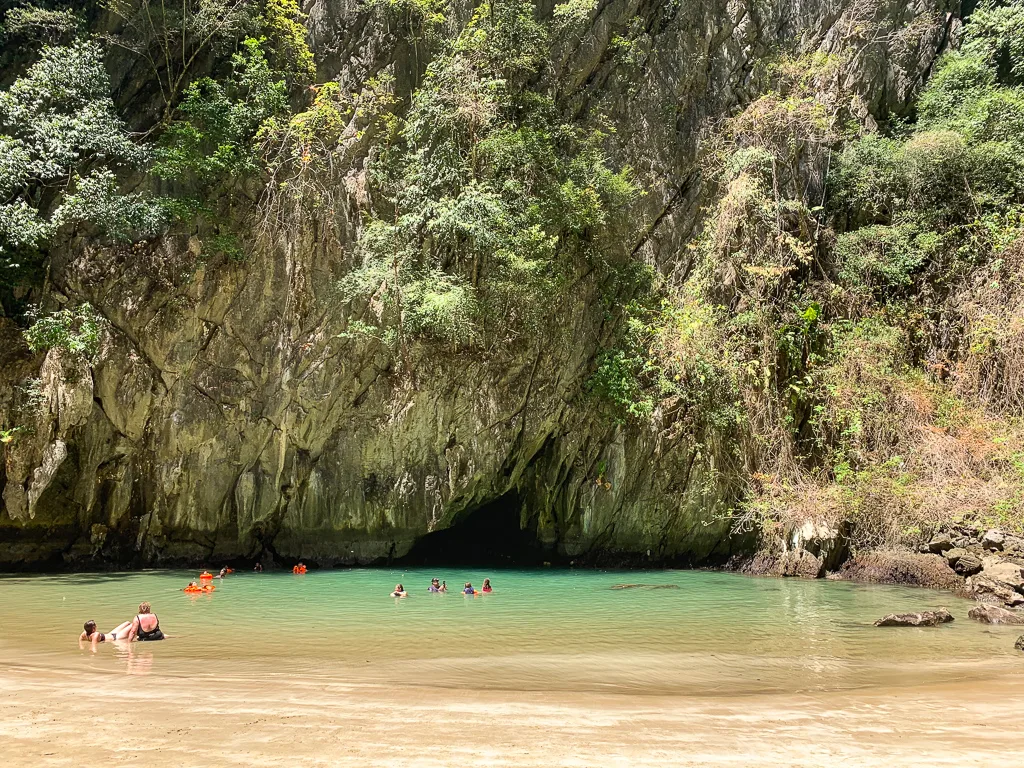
(213, 138)
(174, 39)
(920, 214)
(489, 198)
(61, 146)
(834, 260)
(75, 330)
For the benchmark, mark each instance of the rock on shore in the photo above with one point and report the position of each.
(901, 568)
(994, 614)
(923, 619)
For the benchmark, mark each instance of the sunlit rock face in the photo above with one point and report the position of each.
(231, 414)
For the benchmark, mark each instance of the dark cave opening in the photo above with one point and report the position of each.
(489, 535)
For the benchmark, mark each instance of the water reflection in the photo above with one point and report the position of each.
(137, 659)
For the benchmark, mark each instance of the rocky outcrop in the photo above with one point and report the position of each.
(988, 590)
(923, 619)
(232, 413)
(901, 568)
(1019, 645)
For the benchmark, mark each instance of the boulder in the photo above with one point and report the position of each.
(802, 564)
(1019, 645)
(962, 542)
(923, 619)
(1004, 572)
(992, 540)
(993, 614)
(953, 555)
(968, 564)
(1014, 545)
(986, 590)
(940, 543)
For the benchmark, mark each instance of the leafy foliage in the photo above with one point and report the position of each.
(491, 198)
(76, 330)
(59, 132)
(214, 137)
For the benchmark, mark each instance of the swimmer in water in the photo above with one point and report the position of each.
(469, 589)
(223, 572)
(258, 568)
(487, 586)
(435, 586)
(89, 633)
(399, 591)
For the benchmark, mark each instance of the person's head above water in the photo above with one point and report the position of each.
(399, 588)
(145, 608)
(90, 628)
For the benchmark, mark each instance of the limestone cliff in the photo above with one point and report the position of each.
(229, 414)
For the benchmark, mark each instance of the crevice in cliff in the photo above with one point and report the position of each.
(490, 535)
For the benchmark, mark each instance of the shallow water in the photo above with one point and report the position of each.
(541, 630)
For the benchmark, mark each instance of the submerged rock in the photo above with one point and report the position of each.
(993, 614)
(1019, 645)
(923, 619)
(645, 586)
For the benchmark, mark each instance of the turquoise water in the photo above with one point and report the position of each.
(540, 630)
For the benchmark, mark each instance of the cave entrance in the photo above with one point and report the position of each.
(489, 535)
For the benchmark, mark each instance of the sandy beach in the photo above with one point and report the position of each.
(54, 718)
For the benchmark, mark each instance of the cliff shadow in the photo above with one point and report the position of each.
(490, 535)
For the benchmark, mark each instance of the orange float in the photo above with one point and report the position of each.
(299, 569)
(199, 590)
(206, 576)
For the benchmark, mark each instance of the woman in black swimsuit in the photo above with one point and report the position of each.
(146, 625)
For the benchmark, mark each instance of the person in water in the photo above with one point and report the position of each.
(90, 634)
(145, 626)
(487, 586)
(399, 591)
(443, 587)
(435, 586)
(469, 589)
(223, 572)
(258, 568)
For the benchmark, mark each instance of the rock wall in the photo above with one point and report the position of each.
(229, 415)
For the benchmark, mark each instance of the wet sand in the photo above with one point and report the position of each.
(76, 718)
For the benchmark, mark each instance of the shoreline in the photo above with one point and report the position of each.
(54, 719)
